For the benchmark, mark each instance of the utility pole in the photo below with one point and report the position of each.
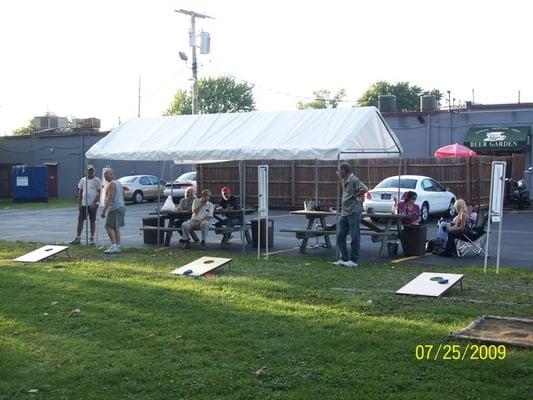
(449, 118)
(192, 43)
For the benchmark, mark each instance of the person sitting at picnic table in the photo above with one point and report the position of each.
(409, 209)
(185, 204)
(227, 202)
(202, 212)
(455, 231)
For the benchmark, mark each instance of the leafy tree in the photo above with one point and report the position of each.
(216, 95)
(323, 99)
(25, 130)
(407, 96)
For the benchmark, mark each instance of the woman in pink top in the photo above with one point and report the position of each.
(408, 208)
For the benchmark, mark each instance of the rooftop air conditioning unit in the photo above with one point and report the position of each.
(428, 103)
(387, 103)
(86, 123)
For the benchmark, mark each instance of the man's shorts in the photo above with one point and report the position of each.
(91, 212)
(115, 218)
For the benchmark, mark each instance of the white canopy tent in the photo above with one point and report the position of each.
(324, 134)
(286, 135)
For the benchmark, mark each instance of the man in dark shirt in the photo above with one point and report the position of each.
(227, 202)
(351, 207)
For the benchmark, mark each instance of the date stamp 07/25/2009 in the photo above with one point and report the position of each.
(458, 352)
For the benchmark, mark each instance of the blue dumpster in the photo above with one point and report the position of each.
(29, 183)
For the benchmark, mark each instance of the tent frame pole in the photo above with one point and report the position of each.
(242, 189)
(337, 210)
(158, 202)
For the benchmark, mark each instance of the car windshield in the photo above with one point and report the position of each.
(127, 179)
(405, 183)
(188, 176)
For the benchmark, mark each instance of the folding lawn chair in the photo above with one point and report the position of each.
(473, 241)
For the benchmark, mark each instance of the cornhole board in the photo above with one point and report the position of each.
(42, 253)
(202, 266)
(427, 284)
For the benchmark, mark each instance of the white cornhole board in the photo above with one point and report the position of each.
(422, 285)
(202, 266)
(41, 253)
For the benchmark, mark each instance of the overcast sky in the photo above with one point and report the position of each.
(81, 58)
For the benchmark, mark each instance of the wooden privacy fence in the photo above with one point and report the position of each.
(293, 182)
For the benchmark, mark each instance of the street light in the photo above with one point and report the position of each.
(205, 41)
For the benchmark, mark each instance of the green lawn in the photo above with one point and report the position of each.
(276, 329)
(9, 204)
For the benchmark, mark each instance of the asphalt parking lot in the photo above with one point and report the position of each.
(58, 226)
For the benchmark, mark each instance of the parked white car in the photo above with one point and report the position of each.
(177, 188)
(432, 197)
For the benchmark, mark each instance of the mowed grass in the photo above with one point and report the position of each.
(286, 328)
(9, 204)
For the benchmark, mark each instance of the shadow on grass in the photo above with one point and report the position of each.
(235, 338)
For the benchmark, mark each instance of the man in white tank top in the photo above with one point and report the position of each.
(114, 211)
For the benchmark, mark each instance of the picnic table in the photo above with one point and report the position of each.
(390, 229)
(226, 231)
(311, 230)
(382, 233)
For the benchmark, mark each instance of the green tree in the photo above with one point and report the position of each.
(25, 130)
(323, 99)
(407, 95)
(216, 95)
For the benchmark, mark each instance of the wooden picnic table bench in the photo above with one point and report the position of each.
(310, 231)
(390, 230)
(171, 217)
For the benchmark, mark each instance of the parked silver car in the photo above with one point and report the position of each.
(177, 188)
(141, 187)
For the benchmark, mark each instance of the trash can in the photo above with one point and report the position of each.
(150, 237)
(413, 240)
(262, 224)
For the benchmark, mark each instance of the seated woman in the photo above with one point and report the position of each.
(408, 208)
(454, 232)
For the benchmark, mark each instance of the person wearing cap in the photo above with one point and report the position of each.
(227, 202)
(89, 189)
(202, 212)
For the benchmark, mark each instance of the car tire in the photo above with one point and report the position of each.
(424, 213)
(137, 197)
(451, 211)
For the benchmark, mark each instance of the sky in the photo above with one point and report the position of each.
(81, 58)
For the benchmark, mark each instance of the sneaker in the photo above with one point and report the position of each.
(76, 240)
(186, 244)
(350, 264)
(338, 262)
(202, 245)
(113, 249)
(91, 241)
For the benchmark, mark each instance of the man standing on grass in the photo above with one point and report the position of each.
(88, 196)
(353, 191)
(114, 210)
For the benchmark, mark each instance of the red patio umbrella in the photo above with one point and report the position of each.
(454, 151)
